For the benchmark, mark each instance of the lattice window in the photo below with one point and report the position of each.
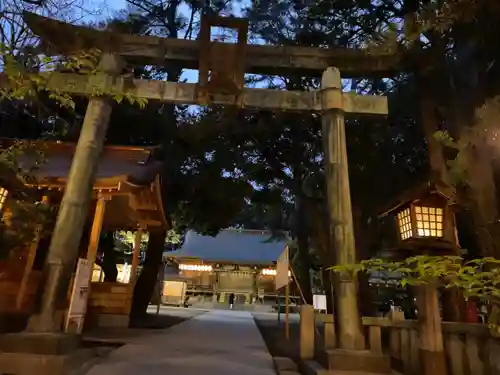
(429, 221)
(404, 223)
(3, 197)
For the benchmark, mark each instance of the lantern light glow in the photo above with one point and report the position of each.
(420, 221)
(404, 221)
(429, 221)
(195, 267)
(271, 272)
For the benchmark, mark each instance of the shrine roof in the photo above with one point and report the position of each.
(116, 164)
(232, 245)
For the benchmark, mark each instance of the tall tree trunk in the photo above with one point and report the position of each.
(303, 258)
(326, 277)
(145, 285)
(365, 292)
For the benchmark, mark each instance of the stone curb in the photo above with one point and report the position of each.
(285, 366)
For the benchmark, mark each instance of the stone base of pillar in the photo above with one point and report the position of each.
(358, 361)
(41, 353)
(433, 362)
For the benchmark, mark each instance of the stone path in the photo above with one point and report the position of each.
(218, 342)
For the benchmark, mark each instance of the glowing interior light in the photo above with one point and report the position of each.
(271, 272)
(404, 222)
(195, 267)
(429, 221)
(3, 196)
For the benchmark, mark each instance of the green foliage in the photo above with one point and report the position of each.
(20, 83)
(18, 164)
(478, 278)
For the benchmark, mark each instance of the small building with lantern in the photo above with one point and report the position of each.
(235, 261)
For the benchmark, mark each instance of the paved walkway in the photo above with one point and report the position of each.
(217, 342)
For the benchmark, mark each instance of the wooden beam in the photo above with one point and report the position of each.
(95, 233)
(185, 93)
(260, 59)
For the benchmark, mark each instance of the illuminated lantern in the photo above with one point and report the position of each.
(424, 219)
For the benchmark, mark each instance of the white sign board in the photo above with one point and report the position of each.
(79, 298)
(319, 302)
(282, 270)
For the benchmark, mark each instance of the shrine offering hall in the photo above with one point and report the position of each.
(242, 262)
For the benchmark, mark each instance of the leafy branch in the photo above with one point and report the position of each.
(478, 278)
(20, 83)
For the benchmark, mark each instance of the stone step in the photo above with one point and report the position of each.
(312, 367)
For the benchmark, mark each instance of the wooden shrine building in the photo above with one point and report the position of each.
(126, 196)
(236, 261)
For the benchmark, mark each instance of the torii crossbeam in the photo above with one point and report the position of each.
(65, 38)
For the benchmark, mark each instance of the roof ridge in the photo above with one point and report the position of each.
(245, 230)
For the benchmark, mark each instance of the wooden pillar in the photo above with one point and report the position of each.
(73, 211)
(341, 228)
(95, 233)
(135, 256)
(431, 337)
(30, 261)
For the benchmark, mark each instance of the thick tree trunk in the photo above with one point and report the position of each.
(319, 233)
(365, 292)
(144, 287)
(328, 285)
(454, 308)
(303, 258)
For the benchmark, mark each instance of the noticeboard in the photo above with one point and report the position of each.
(282, 267)
(79, 298)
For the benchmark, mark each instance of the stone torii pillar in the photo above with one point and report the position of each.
(351, 353)
(74, 208)
(339, 208)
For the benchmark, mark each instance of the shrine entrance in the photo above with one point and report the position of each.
(220, 82)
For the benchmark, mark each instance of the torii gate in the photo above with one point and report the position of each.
(330, 101)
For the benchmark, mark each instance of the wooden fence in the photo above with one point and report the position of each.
(470, 348)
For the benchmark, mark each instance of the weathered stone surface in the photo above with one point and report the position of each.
(259, 59)
(284, 364)
(186, 93)
(42, 364)
(358, 360)
(311, 367)
(219, 342)
(39, 343)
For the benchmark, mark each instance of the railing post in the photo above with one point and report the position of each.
(395, 336)
(307, 332)
(330, 340)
